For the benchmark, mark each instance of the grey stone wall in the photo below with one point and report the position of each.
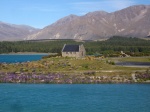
(82, 51)
(79, 54)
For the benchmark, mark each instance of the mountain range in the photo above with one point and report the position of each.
(14, 32)
(132, 21)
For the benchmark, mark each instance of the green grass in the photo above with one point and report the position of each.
(136, 59)
(83, 69)
(71, 65)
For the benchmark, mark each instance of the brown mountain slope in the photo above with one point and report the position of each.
(131, 21)
(11, 32)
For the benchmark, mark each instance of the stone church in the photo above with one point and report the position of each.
(77, 51)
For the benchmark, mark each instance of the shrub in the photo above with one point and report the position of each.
(50, 56)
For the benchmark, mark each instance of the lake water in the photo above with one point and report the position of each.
(75, 98)
(20, 58)
(146, 64)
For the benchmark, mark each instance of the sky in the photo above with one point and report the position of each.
(41, 13)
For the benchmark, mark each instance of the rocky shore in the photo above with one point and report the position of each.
(58, 78)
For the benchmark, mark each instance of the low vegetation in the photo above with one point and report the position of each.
(135, 59)
(70, 70)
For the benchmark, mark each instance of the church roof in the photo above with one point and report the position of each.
(71, 48)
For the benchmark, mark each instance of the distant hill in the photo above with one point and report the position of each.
(11, 32)
(132, 21)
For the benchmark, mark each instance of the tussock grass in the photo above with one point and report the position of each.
(136, 59)
(60, 64)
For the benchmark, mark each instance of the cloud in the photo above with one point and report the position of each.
(105, 5)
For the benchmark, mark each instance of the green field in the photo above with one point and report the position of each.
(60, 64)
(87, 70)
(136, 59)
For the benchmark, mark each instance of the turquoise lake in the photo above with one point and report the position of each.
(9, 58)
(75, 98)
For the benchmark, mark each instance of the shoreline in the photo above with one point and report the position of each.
(64, 78)
(27, 53)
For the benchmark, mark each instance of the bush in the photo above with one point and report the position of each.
(85, 66)
(110, 62)
(50, 56)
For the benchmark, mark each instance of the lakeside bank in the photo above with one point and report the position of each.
(27, 53)
(71, 71)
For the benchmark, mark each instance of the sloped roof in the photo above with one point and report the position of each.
(71, 48)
